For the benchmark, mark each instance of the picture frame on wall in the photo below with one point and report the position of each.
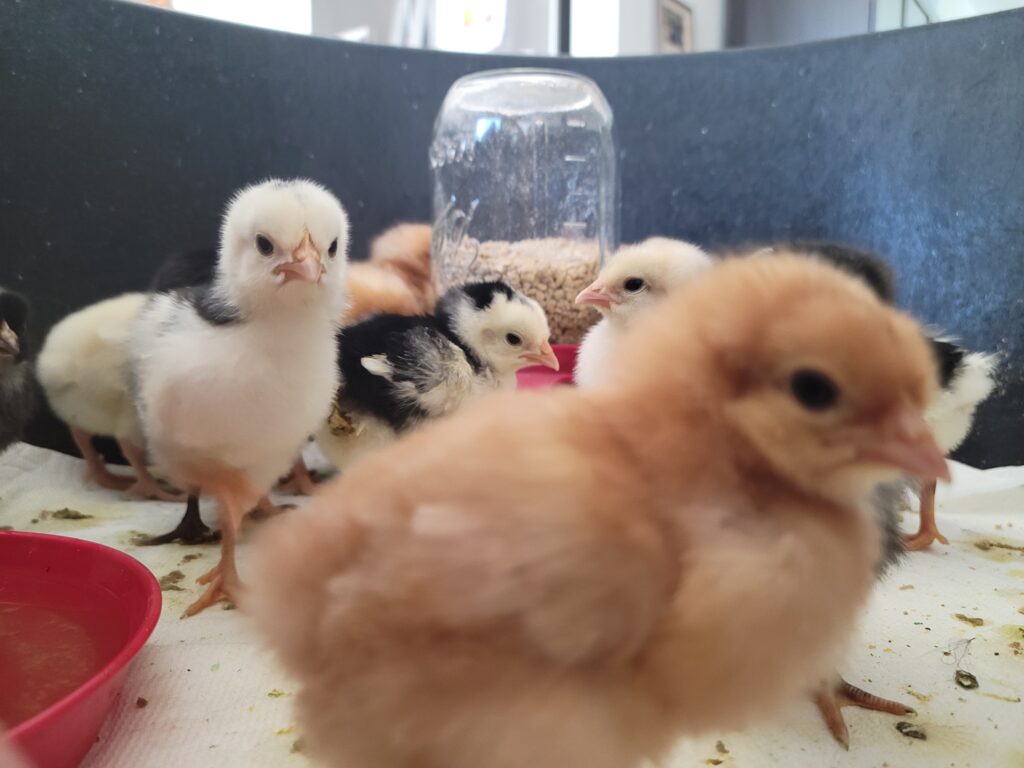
(675, 27)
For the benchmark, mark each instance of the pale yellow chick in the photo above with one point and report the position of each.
(571, 578)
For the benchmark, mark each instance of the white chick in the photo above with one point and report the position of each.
(232, 377)
(399, 372)
(633, 279)
(84, 371)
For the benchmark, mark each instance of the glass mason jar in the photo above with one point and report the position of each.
(526, 188)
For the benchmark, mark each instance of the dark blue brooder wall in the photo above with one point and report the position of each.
(124, 128)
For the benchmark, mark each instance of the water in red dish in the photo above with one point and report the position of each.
(47, 651)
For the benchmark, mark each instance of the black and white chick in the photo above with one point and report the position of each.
(966, 378)
(231, 377)
(400, 371)
(636, 277)
(18, 395)
(887, 500)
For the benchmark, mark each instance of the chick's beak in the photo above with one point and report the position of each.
(304, 265)
(544, 356)
(595, 295)
(8, 340)
(907, 443)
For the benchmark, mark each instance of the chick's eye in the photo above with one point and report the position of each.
(513, 339)
(263, 245)
(814, 390)
(333, 250)
(634, 284)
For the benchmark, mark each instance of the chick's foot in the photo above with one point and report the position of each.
(928, 530)
(299, 482)
(831, 698)
(191, 529)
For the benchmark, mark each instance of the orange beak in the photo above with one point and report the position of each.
(545, 356)
(907, 444)
(305, 263)
(8, 340)
(595, 295)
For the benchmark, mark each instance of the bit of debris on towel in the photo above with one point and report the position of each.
(284, 731)
(986, 544)
(297, 746)
(141, 702)
(275, 694)
(65, 514)
(974, 621)
(965, 679)
(190, 557)
(6, 528)
(905, 587)
(911, 731)
(997, 697)
(169, 582)
(720, 748)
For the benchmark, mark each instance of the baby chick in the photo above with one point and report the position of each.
(601, 571)
(397, 278)
(232, 377)
(398, 372)
(966, 378)
(84, 370)
(634, 278)
(17, 384)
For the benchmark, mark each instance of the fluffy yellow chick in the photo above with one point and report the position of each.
(397, 278)
(83, 368)
(634, 279)
(578, 578)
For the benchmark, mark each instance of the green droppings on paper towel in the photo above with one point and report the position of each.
(169, 582)
(974, 621)
(215, 667)
(66, 514)
(276, 694)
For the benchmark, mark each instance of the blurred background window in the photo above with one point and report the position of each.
(586, 27)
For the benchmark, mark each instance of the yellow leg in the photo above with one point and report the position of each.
(927, 531)
(145, 486)
(832, 697)
(234, 499)
(96, 468)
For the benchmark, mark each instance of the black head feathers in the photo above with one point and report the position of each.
(867, 266)
(13, 310)
(480, 294)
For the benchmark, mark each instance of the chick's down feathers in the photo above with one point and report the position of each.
(577, 578)
(398, 277)
(84, 367)
(18, 387)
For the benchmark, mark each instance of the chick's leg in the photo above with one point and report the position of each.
(299, 482)
(191, 529)
(233, 500)
(833, 696)
(265, 508)
(145, 486)
(927, 531)
(95, 467)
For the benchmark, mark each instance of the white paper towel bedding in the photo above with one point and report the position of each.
(215, 698)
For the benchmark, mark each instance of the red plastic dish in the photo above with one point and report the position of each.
(83, 611)
(539, 377)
